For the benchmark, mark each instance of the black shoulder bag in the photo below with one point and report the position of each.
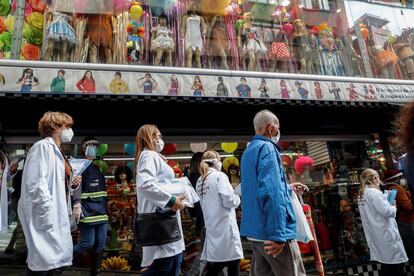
(157, 228)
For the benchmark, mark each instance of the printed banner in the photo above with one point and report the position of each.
(18, 79)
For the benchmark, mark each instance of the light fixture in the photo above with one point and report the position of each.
(338, 10)
(285, 3)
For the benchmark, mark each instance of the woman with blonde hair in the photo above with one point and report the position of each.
(222, 246)
(380, 227)
(152, 169)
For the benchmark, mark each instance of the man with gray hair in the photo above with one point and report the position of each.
(268, 218)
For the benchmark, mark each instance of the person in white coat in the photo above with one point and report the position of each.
(43, 206)
(380, 228)
(222, 246)
(152, 169)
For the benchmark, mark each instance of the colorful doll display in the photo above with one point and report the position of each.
(197, 87)
(28, 80)
(284, 92)
(118, 85)
(250, 43)
(222, 90)
(243, 89)
(304, 93)
(135, 44)
(147, 83)
(87, 83)
(58, 83)
(193, 29)
(263, 89)
(174, 86)
(161, 42)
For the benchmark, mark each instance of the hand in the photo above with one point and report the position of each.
(273, 248)
(77, 212)
(76, 181)
(299, 187)
(179, 205)
(13, 168)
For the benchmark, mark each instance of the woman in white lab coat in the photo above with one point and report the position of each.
(43, 206)
(380, 227)
(152, 168)
(222, 246)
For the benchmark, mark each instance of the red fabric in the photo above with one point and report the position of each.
(86, 86)
(280, 50)
(323, 233)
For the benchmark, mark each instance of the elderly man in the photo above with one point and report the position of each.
(268, 218)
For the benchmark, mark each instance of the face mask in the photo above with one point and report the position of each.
(402, 182)
(66, 135)
(159, 146)
(276, 138)
(91, 151)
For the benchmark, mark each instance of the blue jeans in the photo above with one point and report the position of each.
(169, 266)
(93, 237)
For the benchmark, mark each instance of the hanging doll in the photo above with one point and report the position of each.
(161, 42)
(301, 46)
(250, 43)
(218, 42)
(193, 28)
(135, 43)
(59, 33)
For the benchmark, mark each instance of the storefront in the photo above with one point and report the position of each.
(178, 64)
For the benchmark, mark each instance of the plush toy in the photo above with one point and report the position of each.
(135, 32)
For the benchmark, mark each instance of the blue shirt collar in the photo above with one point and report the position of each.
(263, 138)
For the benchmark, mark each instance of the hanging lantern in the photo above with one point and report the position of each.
(229, 147)
(135, 11)
(198, 147)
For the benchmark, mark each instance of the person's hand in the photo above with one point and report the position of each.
(273, 248)
(77, 212)
(179, 205)
(299, 187)
(13, 168)
(76, 181)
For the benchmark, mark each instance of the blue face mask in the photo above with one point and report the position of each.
(91, 151)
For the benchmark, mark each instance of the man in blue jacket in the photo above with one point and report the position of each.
(268, 218)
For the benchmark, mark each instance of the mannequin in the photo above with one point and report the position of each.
(161, 42)
(382, 60)
(193, 28)
(60, 34)
(218, 41)
(134, 41)
(280, 53)
(300, 46)
(249, 42)
(234, 175)
(331, 63)
(406, 57)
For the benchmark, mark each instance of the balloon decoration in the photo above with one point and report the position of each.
(131, 166)
(103, 166)
(169, 149)
(102, 149)
(198, 147)
(129, 149)
(229, 147)
(230, 160)
(135, 12)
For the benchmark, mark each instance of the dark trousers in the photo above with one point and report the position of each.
(233, 268)
(53, 272)
(169, 266)
(392, 269)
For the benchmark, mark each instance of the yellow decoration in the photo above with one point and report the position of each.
(214, 6)
(229, 147)
(9, 22)
(135, 11)
(230, 160)
(116, 263)
(35, 20)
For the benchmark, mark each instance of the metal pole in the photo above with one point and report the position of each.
(18, 30)
(364, 52)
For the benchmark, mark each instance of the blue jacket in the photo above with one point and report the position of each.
(267, 210)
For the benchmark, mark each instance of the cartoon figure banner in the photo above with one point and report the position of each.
(44, 80)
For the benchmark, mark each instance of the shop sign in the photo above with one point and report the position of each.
(72, 81)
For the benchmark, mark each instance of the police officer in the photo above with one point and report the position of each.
(89, 208)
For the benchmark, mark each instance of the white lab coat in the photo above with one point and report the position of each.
(380, 228)
(218, 202)
(3, 194)
(151, 170)
(43, 208)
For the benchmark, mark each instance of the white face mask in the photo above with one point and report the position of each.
(159, 145)
(276, 138)
(66, 135)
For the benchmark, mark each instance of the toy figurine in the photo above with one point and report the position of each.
(135, 32)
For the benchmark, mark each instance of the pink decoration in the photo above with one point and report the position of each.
(301, 163)
(122, 5)
(230, 17)
(288, 28)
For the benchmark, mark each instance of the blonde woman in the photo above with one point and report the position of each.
(222, 246)
(152, 168)
(380, 227)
